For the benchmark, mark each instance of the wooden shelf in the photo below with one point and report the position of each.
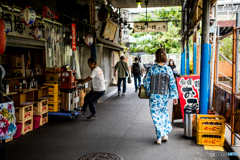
(42, 86)
(10, 93)
(14, 78)
(23, 90)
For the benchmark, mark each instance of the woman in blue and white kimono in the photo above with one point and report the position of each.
(158, 102)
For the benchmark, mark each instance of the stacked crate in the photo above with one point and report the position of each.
(53, 81)
(210, 130)
(41, 109)
(24, 115)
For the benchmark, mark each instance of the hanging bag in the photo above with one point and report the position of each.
(129, 78)
(7, 119)
(142, 93)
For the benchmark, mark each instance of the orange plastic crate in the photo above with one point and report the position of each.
(210, 123)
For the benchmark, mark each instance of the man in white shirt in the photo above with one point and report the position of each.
(98, 89)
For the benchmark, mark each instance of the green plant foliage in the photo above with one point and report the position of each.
(225, 48)
(169, 40)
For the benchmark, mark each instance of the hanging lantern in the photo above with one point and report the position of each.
(27, 15)
(88, 40)
(7, 26)
(47, 34)
(36, 32)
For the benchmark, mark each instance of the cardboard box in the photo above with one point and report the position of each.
(53, 78)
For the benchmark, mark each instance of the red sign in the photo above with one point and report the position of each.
(74, 46)
(44, 108)
(47, 12)
(28, 114)
(188, 90)
(27, 128)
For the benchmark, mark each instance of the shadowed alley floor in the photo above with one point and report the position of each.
(124, 127)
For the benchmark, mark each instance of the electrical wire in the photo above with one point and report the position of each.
(230, 21)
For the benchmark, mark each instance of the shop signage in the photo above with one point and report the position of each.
(48, 13)
(125, 30)
(19, 29)
(188, 90)
(74, 45)
(160, 26)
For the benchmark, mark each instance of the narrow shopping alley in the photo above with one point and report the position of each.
(124, 128)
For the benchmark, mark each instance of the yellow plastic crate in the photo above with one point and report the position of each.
(54, 107)
(216, 139)
(53, 89)
(54, 98)
(210, 123)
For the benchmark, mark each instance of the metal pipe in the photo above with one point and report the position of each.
(205, 51)
(225, 76)
(187, 58)
(233, 85)
(212, 73)
(217, 57)
(195, 51)
(224, 85)
(237, 51)
(183, 43)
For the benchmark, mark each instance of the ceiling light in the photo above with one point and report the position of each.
(139, 2)
(139, 6)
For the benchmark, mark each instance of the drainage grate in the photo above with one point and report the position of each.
(100, 156)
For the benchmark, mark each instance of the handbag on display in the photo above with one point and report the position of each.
(7, 119)
(142, 93)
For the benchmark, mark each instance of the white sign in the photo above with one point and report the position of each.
(125, 30)
(18, 28)
(152, 27)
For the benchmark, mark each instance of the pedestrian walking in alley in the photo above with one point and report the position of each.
(123, 72)
(161, 74)
(173, 67)
(137, 70)
(98, 89)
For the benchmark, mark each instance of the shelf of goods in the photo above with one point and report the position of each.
(210, 130)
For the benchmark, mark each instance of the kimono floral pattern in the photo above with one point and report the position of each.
(7, 120)
(158, 103)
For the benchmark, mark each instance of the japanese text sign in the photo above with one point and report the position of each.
(74, 46)
(188, 90)
(152, 27)
(125, 30)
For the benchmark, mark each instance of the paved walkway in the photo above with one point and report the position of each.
(124, 127)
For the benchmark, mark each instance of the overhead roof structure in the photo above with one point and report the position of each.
(151, 3)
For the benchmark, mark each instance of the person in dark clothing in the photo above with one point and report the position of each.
(173, 67)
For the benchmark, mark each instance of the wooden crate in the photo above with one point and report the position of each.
(27, 125)
(39, 107)
(20, 98)
(44, 118)
(7, 140)
(24, 112)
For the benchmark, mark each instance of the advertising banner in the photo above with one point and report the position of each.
(74, 45)
(188, 90)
